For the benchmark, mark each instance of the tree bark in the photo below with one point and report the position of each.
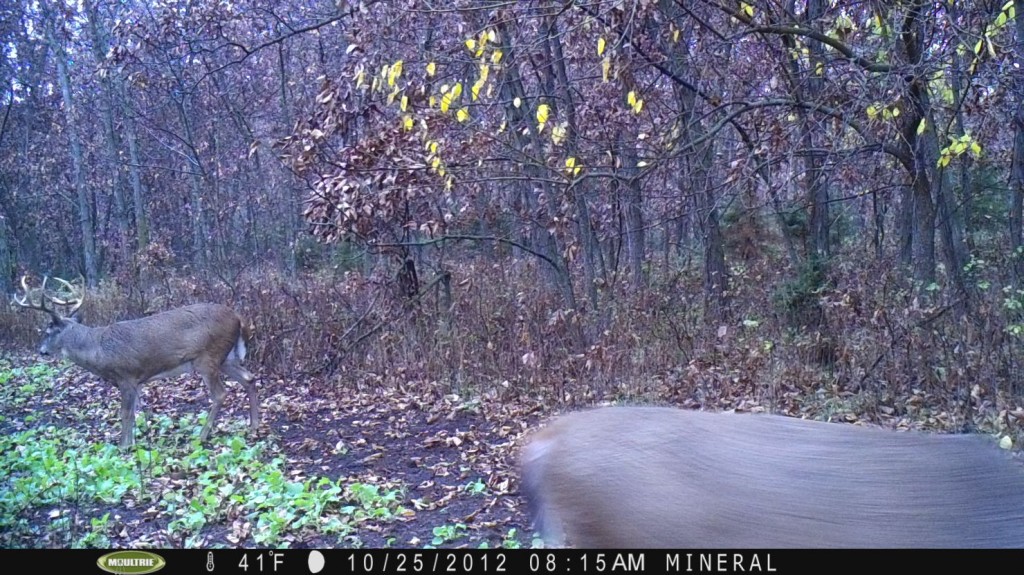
(583, 226)
(1016, 201)
(554, 268)
(290, 220)
(200, 253)
(138, 190)
(817, 182)
(84, 202)
(919, 150)
(695, 179)
(110, 136)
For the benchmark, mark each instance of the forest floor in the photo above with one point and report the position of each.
(335, 464)
(417, 467)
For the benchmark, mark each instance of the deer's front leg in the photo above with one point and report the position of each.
(129, 400)
(217, 393)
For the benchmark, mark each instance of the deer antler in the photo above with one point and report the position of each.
(26, 300)
(78, 297)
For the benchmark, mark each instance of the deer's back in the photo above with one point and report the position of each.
(661, 477)
(164, 341)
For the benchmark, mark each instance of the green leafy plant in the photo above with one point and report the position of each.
(235, 479)
(48, 470)
(447, 533)
(475, 487)
(96, 537)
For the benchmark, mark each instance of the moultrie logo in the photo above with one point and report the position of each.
(131, 562)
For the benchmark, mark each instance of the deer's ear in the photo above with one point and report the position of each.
(73, 317)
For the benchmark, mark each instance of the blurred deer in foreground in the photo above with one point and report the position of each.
(627, 477)
(205, 338)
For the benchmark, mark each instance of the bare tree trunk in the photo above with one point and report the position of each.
(7, 257)
(99, 47)
(924, 235)
(695, 180)
(1016, 222)
(906, 220)
(536, 207)
(584, 229)
(817, 185)
(878, 209)
(716, 275)
(921, 152)
(198, 218)
(635, 237)
(84, 202)
(290, 219)
(138, 191)
(950, 211)
(951, 230)
(962, 216)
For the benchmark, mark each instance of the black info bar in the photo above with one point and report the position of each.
(484, 561)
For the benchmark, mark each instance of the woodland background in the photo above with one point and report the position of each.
(811, 207)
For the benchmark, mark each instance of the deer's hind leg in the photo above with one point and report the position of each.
(247, 379)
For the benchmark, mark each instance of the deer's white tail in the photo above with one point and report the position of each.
(240, 348)
(661, 477)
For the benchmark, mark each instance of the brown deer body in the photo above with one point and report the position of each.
(631, 477)
(208, 339)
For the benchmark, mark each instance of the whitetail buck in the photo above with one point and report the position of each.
(205, 338)
(627, 477)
